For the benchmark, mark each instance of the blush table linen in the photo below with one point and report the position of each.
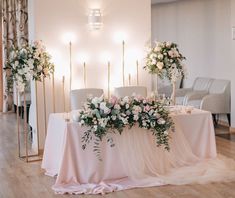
(135, 160)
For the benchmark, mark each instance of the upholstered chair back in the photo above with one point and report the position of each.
(201, 84)
(121, 92)
(79, 96)
(219, 86)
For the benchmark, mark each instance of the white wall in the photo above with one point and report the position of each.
(52, 19)
(202, 28)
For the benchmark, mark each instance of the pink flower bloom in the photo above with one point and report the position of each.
(147, 108)
(113, 99)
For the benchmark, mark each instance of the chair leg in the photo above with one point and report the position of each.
(229, 119)
(214, 120)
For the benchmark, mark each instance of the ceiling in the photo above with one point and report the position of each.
(161, 1)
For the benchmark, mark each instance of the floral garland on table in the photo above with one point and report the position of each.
(104, 117)
(165, 60)
(30, 62)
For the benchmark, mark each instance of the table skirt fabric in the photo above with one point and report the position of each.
(135, 160)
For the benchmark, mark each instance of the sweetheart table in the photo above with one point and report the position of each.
(134, 161)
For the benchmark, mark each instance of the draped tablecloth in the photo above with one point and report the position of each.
(135, 160)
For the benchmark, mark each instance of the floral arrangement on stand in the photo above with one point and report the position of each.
(104, 117)
(165, 60)
(29, 62)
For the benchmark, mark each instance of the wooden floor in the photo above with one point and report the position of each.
(21, 180)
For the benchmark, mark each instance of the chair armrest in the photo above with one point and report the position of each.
(216, 103)
(182, 92)
(195, 95)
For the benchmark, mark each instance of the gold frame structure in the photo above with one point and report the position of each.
(27, 157)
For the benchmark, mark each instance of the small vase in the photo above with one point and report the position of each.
(173, 97)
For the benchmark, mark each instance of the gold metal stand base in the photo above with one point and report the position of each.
(31, 158)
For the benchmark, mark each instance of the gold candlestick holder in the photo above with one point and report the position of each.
(137, 73)
(123, 63)
(84, 74)
(53, 91)
(63, 89)
(108, 80)
(129, 79)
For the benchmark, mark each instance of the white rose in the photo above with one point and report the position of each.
(16, 63)
(165, 132)
(161, 121)
(168, 44)
(46, 71)
(160, 56)
(126, 99)
(153, 62)
(117, 107)
(95, 127)
(127, 106)
(136, 117)
(103, 105)
(160, 65)
(157, 49)
(39, 68)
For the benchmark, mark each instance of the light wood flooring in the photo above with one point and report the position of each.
(21, 180)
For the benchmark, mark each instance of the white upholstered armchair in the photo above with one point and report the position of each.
(217, 101)
(200, 88)
(79, 96)
(129, 91)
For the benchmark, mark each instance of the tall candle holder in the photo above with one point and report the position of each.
(123, 63)
(63, 89)
(53, 91)
(129, 79)
(84, 74)
(70, 65)
(137, 73)
(108, 80)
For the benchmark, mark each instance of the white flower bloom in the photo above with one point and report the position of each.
(160, 65)
(114, 117)
(168, 44)
(103, 105)
(153, 62)
(95, 127)
(157, 49)
(136, 117)
(160, 56)
(127, 106)
(166, 133)
(151, 112)
(39, 68)
(161, 121)
(95, 101)
(157, 115)
(144, 123)
(117, 107)
(126, 99)
(16, 63)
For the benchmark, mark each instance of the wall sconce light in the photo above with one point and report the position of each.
(95, 19)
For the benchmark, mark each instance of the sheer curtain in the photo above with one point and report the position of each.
(15, 33)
